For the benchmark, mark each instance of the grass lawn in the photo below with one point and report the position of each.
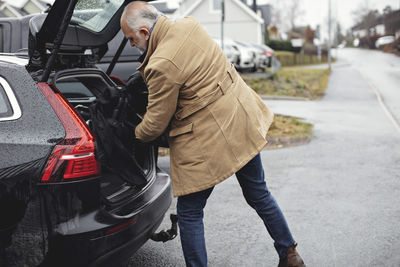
(288, 131)
(292, 81)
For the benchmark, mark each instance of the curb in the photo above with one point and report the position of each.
(279, 97)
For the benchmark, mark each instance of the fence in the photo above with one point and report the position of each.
(291, 59)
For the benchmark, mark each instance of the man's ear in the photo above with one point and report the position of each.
(146, 32)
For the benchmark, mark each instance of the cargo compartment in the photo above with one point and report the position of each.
(82, 87)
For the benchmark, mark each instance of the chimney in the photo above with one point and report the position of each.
(254, 6)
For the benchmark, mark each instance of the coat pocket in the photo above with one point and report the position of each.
(181, 130)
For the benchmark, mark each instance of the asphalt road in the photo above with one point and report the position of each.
(340, 193)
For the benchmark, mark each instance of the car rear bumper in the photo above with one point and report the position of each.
(106, 238)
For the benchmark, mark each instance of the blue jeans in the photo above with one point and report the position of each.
(251, 179)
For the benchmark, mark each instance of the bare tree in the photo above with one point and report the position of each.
(276, 17)
(294, 12)
(285, 14)
(386, 10)
(362, 10)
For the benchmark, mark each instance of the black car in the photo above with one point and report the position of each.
(59, 206)
(14, 35)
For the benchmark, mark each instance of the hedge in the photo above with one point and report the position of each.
(283, 46)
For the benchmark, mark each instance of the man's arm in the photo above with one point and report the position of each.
(163, 97)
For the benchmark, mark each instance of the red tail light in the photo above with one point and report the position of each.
(269, 53)
(73, 158)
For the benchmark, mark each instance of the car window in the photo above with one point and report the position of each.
(4, 104)
(6, 110)
(75, 87)
(81, 86)
(95, 14)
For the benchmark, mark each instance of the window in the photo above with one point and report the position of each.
(9, 108)
(95, 14)
(74, 87)
(82, 88)
(216, 5)
(4, 104)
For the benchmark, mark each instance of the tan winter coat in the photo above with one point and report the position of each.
(216, 122)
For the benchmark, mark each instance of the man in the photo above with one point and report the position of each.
(216, 124)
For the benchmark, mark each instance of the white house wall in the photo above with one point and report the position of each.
(184, 6)
(238, 24)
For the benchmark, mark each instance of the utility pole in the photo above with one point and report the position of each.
(222, 23)
(336, 29)
(329, 33)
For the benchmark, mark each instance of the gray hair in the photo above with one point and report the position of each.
(143, 15)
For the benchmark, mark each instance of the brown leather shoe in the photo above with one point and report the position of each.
(292, 259)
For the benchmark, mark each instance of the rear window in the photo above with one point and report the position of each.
(95, 14)
(5, 107)
(75, 87)
(84, 87)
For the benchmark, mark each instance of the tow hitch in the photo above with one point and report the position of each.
(166, 235)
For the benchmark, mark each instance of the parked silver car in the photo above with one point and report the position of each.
(231, 52)
(247, 56)
(267, 51)
(384, 40)
(260, 59)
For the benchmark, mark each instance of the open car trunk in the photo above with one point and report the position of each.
(69, 60)
(82, 87)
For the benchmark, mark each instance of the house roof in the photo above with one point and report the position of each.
(163, 7)
(266, 13)
(16, 11)
(19, 8)
(244, 7)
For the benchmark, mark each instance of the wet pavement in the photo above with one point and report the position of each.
(340, 193)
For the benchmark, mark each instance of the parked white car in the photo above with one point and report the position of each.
(260, 59)
(268, 52)
(384, 40)
(246, 58)
(231, 52)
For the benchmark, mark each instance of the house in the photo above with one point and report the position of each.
(264, 11)
(164, 8)
(392, 23)
(9, 9)
(241, 23)
(34, 6)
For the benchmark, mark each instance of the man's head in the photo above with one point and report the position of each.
(136, 21)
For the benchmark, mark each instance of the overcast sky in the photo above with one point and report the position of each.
(315, 11)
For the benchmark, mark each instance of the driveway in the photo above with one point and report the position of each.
(340, 193)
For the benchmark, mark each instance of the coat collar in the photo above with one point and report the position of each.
(159, 31)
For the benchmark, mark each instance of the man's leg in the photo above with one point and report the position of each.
(255, 191)
(190, 219)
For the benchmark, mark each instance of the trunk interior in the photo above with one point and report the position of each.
(81, 87)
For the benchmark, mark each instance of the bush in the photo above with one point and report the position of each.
(283, 46)
(393, 47)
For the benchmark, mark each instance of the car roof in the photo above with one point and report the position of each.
(13, 59)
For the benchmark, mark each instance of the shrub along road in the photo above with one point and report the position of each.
(340, 193)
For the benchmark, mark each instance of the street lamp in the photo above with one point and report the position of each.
(329, 33)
